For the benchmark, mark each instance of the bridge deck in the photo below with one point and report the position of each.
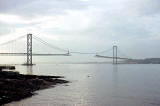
(34, 54)
(99, 56)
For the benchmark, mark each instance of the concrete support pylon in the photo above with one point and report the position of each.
(29, 49)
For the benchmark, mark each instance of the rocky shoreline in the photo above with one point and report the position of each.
(15, 86)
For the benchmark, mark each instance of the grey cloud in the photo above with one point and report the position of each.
(30, 8)
(144, 7)
(129, 23)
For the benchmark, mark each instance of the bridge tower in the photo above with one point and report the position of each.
(115, 54)
(29, 49)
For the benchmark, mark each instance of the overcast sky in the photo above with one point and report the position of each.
(86, 25)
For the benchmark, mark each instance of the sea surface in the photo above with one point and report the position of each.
(97, 85)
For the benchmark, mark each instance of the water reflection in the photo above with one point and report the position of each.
(109, 85)
(29, 70)
(115, 83)
(115, 75)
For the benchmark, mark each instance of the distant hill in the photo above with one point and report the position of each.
(144, 61)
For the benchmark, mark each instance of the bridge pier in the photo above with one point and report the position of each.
(115, 54)
(29, 49)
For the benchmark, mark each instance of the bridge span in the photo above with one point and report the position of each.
(30, 52)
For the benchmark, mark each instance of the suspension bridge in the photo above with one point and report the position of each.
(29, 51)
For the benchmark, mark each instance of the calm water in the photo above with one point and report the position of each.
(97, 85)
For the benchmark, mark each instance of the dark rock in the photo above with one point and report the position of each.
(7, 67)
(15, 86)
